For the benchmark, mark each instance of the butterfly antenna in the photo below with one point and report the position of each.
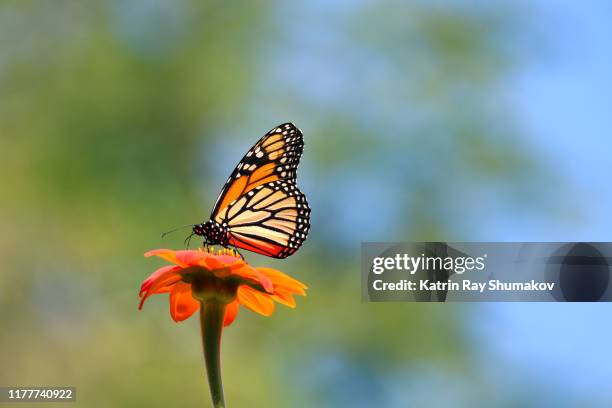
(176, 229)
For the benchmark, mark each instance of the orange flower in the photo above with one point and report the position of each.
(217, 285)
(200, 275)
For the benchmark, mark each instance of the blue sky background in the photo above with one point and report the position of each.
(564, 100)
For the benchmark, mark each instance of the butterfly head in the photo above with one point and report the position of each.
(213, 233)
(198, 229)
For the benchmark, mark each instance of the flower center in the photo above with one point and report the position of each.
(222, 251)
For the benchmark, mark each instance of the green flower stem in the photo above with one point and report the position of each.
(212, 313)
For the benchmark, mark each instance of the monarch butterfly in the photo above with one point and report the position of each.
(260, 208)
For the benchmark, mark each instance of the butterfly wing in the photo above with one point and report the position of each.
(273, 219)
(260, 204)
(274, 157)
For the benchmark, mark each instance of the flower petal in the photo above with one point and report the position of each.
(248, 272)
(215, 262)
(230, 313)
(283, 282)
(156, 275)
(167, 254)
(160, 285)
(255, 300)
(182, 304)
(283, 298)
(190, 257)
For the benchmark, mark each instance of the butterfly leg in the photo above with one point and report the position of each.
(187, 241)
(238, 252)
